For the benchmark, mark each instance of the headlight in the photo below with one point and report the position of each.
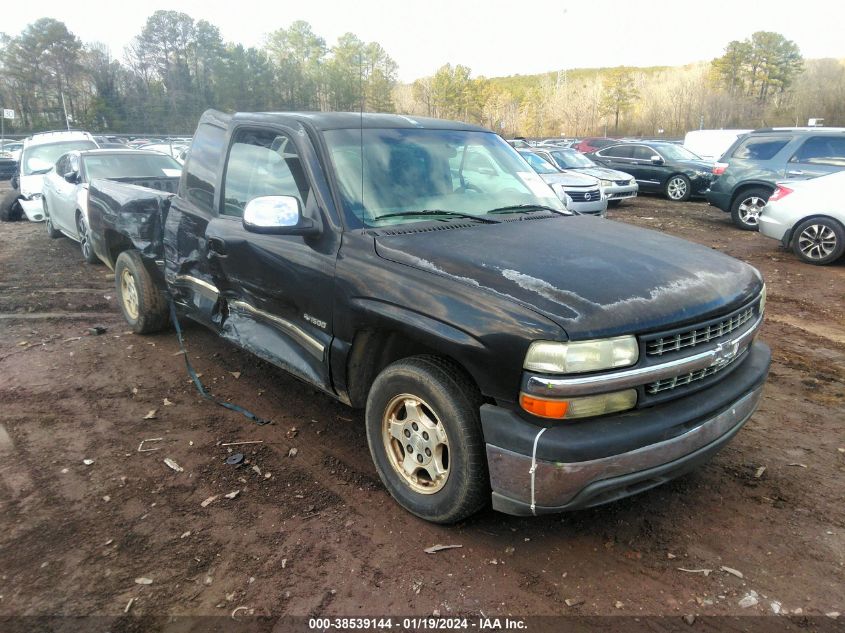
(583, 407)
(633, 181)
(606, 183)
(581, 356)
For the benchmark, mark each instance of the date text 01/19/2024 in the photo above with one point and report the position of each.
(416, 624)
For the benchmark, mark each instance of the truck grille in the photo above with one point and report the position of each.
(679, 381)
(584, 196)
(700, 334)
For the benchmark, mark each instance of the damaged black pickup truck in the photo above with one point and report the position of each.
(502, 346)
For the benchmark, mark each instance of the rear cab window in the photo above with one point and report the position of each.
(200, 175)
(760, 147)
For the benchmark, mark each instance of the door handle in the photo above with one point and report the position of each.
(216, 247)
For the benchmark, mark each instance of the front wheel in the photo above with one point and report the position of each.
(52, 232)
(745, 210)
(425, 438)
(85, 240)
(678, 188)
(141, 300)
(819, 241)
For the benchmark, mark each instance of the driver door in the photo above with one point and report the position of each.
(63, 209)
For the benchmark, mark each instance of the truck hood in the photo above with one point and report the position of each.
(593, 277)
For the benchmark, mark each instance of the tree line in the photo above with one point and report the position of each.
(177, 67)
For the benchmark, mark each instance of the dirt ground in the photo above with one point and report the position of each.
(316, 534)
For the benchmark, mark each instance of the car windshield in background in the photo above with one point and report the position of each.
(539, 164)
(571, 159)
(407, 171)
(41, 158)
(676, 152)
(129, 165)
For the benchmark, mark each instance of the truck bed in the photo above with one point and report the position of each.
(129, 212)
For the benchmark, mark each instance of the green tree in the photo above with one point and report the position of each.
(619, 95)
(759, 67)
(298, 55)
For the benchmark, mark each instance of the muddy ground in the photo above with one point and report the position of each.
(316, 533)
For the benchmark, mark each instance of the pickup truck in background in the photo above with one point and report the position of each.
(502, 347)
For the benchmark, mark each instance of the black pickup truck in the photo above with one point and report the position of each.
(500, 344)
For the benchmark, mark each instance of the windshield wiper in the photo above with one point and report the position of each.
(435, 212)
(527, 208)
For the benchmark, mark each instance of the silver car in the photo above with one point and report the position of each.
(808, 216)
(617, 185)
(580, 192)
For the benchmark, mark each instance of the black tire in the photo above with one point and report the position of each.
(819, 241)
(10, 207)
(85, 240)
(52, 232)
(146, 311)
(449, 396)
(612, 204)
(678, 188)
(746, 207)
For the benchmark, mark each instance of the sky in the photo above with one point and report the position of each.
(493, 37)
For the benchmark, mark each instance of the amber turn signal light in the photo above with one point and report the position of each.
(544, 408)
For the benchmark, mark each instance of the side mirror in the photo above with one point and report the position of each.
(278, 215)
(72, 177)
(656, 160)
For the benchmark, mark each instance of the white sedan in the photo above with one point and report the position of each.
(65, 189)
(809, 217)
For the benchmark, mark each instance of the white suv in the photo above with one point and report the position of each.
(39, 155)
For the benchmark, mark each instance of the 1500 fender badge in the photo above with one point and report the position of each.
(315, 321)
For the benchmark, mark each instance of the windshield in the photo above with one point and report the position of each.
(676, 152)
(127, 165)
(411, 170)
(539, 164)
(571, 159)
(40, 159)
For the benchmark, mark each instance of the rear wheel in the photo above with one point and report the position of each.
(746, 208)
(819, 241)
(678, 188)
(10, 207)
(425, 438)
(142, 302)
(52, 232)
(85, 240)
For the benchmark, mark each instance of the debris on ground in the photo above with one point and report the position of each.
(236, 374)
(732, 571)
(749, 600)
(235, 459)
(437, 548)
(97, 330)
(143, 581)
(185, 534)
(292, 432)
(243, 442)
(689, 619)
(141, 448)
(128, 605)
(232, 494)
(167, 403)
(87, 462)
(776, 607)
(759, 472)
(209, 501)
(573, 602)
(173, 465)
(151, 415)
(706, 572)
(798, 465)
(292, 452)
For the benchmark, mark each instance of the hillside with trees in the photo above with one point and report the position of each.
(176, 67)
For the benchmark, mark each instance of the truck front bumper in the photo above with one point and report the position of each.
(573, 465)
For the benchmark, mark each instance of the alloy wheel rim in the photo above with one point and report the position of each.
(817, 241)
(416, 443)
(129, 294)
(749, 210)
(677, 188)
(82, 230)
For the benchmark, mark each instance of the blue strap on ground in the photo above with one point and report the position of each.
(196, 379)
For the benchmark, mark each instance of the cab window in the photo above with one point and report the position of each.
(821, 150)
(262, 163)
(617, 151)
